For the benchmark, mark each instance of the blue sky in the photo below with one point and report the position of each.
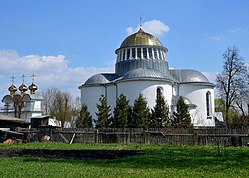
(64, 42)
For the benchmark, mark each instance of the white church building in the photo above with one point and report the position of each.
(142, 68)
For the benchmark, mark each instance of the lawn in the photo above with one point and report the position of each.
(155, 161)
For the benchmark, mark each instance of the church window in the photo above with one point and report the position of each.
(144, 53)
(160, 56)
(208, 104)
(163, 55)
(139, 53)
(123, 58)
(159, 91)
(133, 53)
(155, 53)
(128, 53)
(150, 53)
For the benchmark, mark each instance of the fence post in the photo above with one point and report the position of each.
(195, 137)
(145, 136)
(97, 136)
(51, 134)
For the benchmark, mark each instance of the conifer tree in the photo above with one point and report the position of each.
(181, 116)
(103, 114)
(121, 113)
(160, 112)
(140, 113)
(84, 119)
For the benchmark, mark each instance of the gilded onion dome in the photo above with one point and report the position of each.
(12, 89)
(33, 88)
(23, 88)
(140, 38)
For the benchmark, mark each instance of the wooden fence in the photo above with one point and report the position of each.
(171, 136)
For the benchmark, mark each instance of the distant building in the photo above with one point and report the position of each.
(21, 104)
(142, 68)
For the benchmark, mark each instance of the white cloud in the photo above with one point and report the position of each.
(50, 71)
(155, 27)
(216, 38)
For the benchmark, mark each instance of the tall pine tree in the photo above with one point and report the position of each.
(121, 113)
(84, 119)
(181, 118)
(140, 113)
(103, 114)
(160, 112)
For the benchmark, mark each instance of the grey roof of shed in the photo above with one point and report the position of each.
(188, 75)
(5, 117)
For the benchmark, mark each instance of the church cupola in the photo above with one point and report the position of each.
(141, 50)
(33, 87)
(12, 89)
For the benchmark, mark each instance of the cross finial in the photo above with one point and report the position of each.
(140, 24)
(12, 79)
(33, 78)
(23, 76)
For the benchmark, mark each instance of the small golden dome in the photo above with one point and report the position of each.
(141, 38)
(12, 89)
(33, 88)
(23, 88)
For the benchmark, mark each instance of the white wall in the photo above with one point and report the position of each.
(90, 96)
(111, 96)
(131, 89)
(196, 93)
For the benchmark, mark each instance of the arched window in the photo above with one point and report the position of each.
(208, 104)
(159, 91)
(123, 57)
(139, 53)
(128, 54)
(133, 53)
(150, 53)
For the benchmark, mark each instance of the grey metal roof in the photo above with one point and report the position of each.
(188, 75)
(143, 73)
(101, 78)
(147, 73)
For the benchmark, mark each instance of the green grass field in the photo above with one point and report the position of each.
(156, 161)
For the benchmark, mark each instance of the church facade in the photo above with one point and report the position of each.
(142, 68)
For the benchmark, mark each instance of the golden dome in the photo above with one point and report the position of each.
(141, 38)
(23, 88)
(33, 88)
(12, 89)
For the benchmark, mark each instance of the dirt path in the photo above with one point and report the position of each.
(68, 154)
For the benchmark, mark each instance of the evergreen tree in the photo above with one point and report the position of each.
(160, 112)
(121, 113)
(84, 119)
(140, 113)
(103, 114)
(181, 116)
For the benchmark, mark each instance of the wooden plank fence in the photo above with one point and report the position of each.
(171, 136)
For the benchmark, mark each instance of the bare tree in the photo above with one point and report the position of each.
(58, 104)
(232, 79)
